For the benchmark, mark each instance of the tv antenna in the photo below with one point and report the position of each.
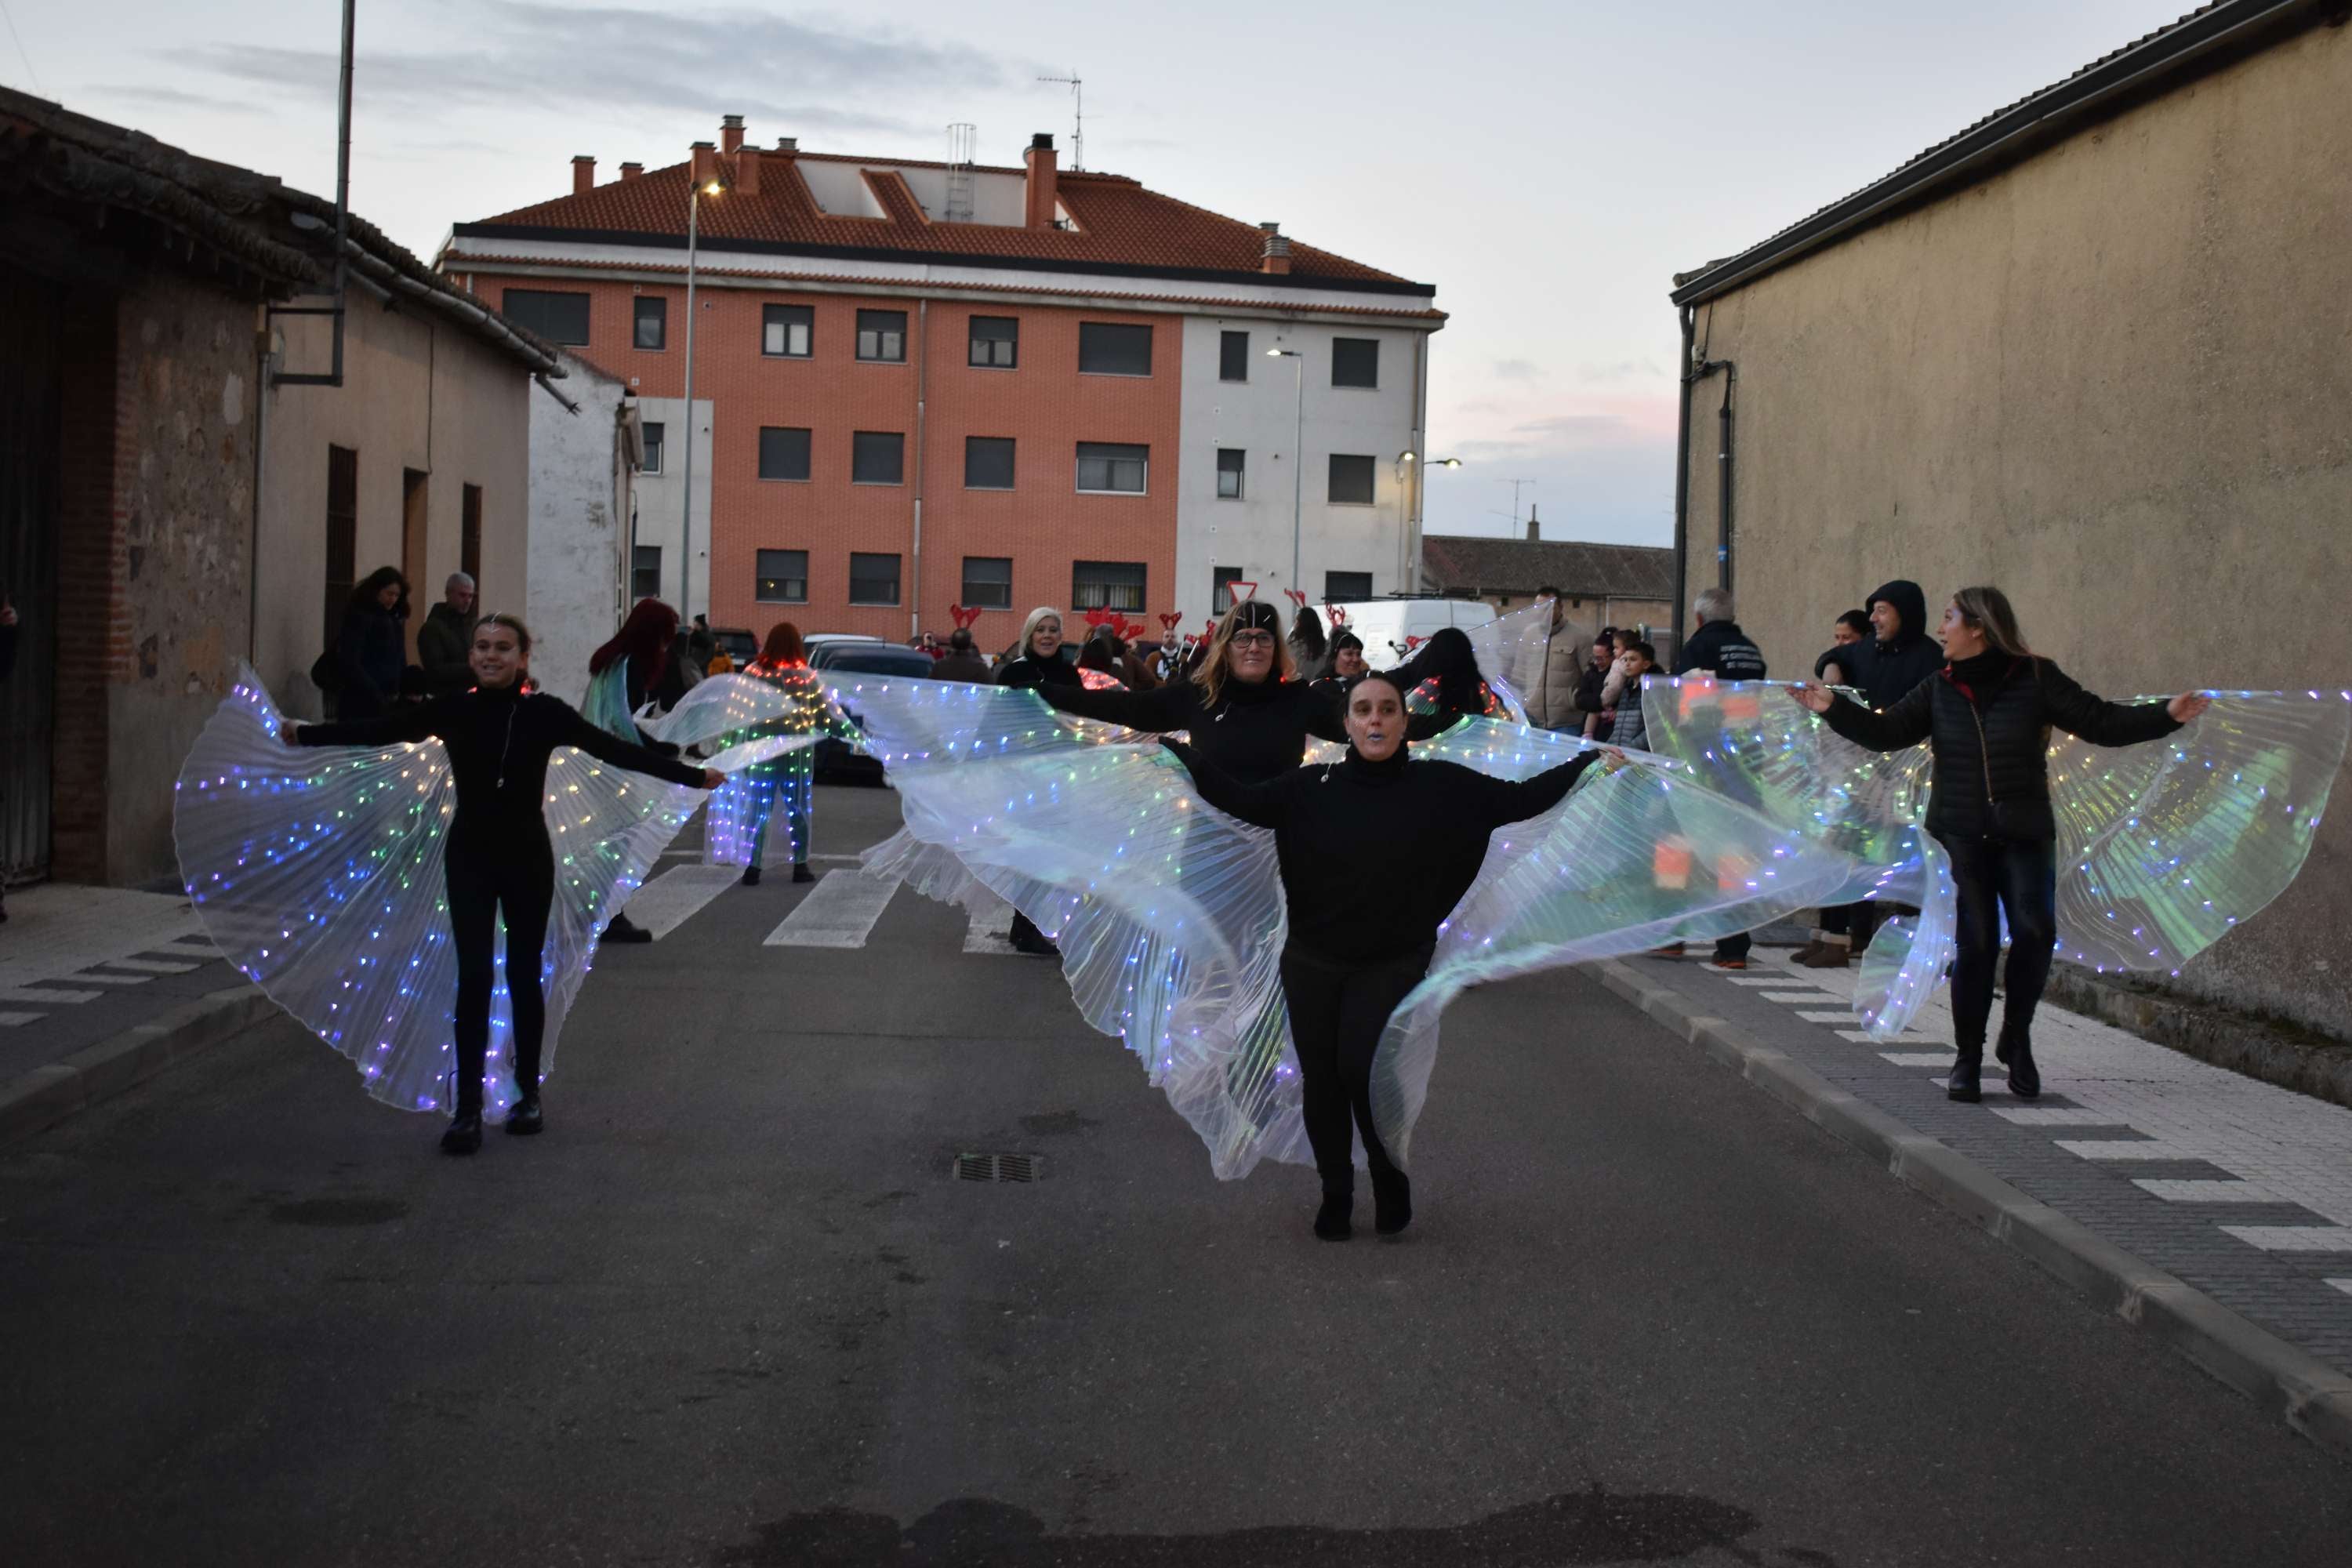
(1078, 113)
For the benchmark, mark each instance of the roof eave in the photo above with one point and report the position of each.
(2045, 116)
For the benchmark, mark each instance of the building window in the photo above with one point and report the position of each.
(1233, 356)
(882, 337)
(995, 341)
(1114, 348)
(559, 318)
(1107, 585)
(873, 579)
(649, 436)
(652, 329)
(879, 457)
(1221, 587)
(469, 535)
(783, 577)
(783, 453)
(1352, 480)
(343, 534)
(1346, 587)
(1111, 468)
(1355, 362)
(988, 462)
(644, 572)
(1229, 473)
(988, 582)
(786, 331)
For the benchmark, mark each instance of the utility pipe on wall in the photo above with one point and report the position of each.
(1682, 476)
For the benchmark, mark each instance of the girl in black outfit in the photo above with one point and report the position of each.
(1040, 666)
(498, 858)
(643, 649)
(371, 646)
(1376, 851)
(1986, 717)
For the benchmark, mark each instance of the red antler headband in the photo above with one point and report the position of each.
(1296, 597)
(964, 617)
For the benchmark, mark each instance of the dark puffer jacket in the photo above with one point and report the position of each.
(1722, 650)
(1888, 671)
(1987, 720)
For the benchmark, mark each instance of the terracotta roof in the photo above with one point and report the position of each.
(1119, 225)
(491, 261)
(1460, 563)
(2049, 114)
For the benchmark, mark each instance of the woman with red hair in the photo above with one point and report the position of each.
(737, 828)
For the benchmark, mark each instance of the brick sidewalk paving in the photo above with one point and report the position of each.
(2239, 1188)
(79, 965)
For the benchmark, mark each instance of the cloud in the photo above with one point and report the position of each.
(131, 93)
(1623, 370)
(511, 53)
(1515, 370)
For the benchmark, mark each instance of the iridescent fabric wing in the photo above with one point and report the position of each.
(606, 705)
(753, 723)
(1511, 650)
(319, 873)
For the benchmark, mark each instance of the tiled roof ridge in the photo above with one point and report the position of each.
(1298, 248)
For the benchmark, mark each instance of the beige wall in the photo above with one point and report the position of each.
(418, 393)
(2114, 379)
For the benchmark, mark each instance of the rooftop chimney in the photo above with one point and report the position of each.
(631, 170)
(1277, 256)
(730, 133)
(1535, 528)
(583, 174)
(1043, 184)
(747, 171)
(788, 145)
(703, 165)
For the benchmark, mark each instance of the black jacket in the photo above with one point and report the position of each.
(1723, 650)
(7, 650)
(443, 643)
(1375, 855)
(1987, 719)
(1027, 669)
(1255, 732)
(965, 665)
(371, 652)
(1890, 670)
(499, 742)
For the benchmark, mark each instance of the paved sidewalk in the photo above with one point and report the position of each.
(2238, 1188)
(80, 965)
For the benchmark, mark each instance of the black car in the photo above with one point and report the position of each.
(740, 645)
(831, 657)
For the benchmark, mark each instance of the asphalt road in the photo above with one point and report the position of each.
(732, 1309)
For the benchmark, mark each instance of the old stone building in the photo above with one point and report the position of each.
(2096, 349)
(1604, 585)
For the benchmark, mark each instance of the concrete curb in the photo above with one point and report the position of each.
(41, 1099)
(2312, 1396)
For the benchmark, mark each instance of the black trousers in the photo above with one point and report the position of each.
(1337, 1014)
(1993, 877)
(516, 881)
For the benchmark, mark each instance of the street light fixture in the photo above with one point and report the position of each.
(711, 187)
(1297, 457)
(1404, 461)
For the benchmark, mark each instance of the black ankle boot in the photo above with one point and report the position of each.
(803, 874)
(1965, 1082)
(525, 1118)
(1391, 1202)
(1331, 1221)
(623, 929)
(751, 876)
(2015, 1051)
(465, 1134)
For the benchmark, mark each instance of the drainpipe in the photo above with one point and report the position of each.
(1682, 478)
(915, 547)
(1723, 475)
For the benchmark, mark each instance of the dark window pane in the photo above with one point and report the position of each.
(882, 336)
(1107, 585)
(644, 572)
(988, 582)
(1352, 480)
(783, 453)
(1345, 587)
(879, 457)
(1233, 356)
(651, 323)
(786, 331)
(1229, 473)
(1221, 587)
(995, 341)
(988, 462)
(1114, 348)
(343, 534)
(559, 318)
(783, 577)
(652, 433)
(1355, 362)
(873, 579)
(1107, 466)
(469, 535)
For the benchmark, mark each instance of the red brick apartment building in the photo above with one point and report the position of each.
(920, 384)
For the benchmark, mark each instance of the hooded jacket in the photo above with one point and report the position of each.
(1888, 671)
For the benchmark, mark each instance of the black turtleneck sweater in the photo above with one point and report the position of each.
(1375, 855)
(1256, 731)
(499, 742)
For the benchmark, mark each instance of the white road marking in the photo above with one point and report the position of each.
(1814, 995)
(2343, 1284)
(92, 977)
(839, 912)
(1918, 1058)
(2295, 1237)
(678, 895)
(2209, 1192)
(1819, 1017)
(149, 966)
(2115, 1149)
(19, 994)
(991, 928)
(10, 1020)
(2054, 1116)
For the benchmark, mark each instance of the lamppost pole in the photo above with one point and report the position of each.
(686, 565)
(1297, 457)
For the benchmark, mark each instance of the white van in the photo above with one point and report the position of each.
(1384, 624)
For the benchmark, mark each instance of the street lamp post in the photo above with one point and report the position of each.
(1297, 457)
(1404, 461)
(695, 193)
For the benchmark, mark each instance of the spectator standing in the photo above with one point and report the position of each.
(372, 647)
(1621, 695)
(1591, 678)
(1308, 648)
(1904, 654)
(962, 661)
(1718, 647)
(1549, 673)
(445, 643)
(1038, 663)
(1842, 665)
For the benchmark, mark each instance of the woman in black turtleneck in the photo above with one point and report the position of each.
(498, 858)
(1375, 852)
(1038, 665)
(1986, 717)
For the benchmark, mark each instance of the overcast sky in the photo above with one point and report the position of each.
(1548, 166)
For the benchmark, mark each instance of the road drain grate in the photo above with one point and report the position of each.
(1000, 1168)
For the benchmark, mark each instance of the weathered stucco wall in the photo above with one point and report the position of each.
(579, 525)
(2112, 380)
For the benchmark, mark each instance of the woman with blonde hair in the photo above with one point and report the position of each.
(1986, 717)
(1037, 660)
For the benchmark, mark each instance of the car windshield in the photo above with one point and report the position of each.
(876, 659)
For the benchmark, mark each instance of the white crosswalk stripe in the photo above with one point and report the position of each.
(24, 996)
(11, 1020)
(146, 967)
(839, 912)
(678, 895)
(991, 928)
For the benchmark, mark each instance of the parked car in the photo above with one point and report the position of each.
(740, 645)
(839, 654)
(1390, 627)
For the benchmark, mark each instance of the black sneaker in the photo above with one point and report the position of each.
(465, 1134)
(525, 1118)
